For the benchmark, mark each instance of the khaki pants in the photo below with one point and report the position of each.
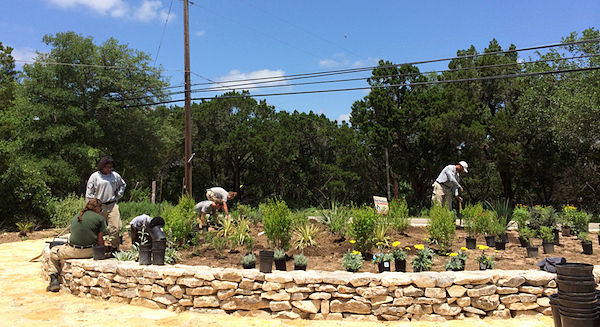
(113, 221)
(442, 195)
(59, 254)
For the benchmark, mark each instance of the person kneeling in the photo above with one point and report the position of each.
(87, 230)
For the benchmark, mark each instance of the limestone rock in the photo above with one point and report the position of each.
(362, 279)
(446, 309)
(502, 314)
(298, 296)
(438, 293)
(166, 299)
(511, 281)
(281, 277)
(312, 306)
(538, 278)
(424, 280)
(472, 278)
(223, 285)
(337, 278)
(293, 288)
(396, 280)
(482, 291)
(176, 291)
(456, 291)
(230, 275)
(271, 286)
(523, 306)
(326, 288)
(325, 307)
(306, 277)
(474, 310)
(252, 313)
(507, 290)
(486, 303)
(508, 299)
(543, 301)
(369, 292)
(351, 306)
(428, 300)
(403, 301)
(204, 290)
(412, 291)
(186, 302)
(551, 283)
(531, 289)
(225, 294)
(280, 305)
(145, 303)
(280, 295)
(190, 281)
(381, 300)
(245, 303)
(527, 298)
(253, 274)
(360, 317)
(319, 296)
(345, 289)
(286, 315)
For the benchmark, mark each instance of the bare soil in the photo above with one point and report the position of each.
(328, 255)
(8, 237)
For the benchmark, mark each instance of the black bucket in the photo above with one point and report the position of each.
(251, 265)
(265, 258)
(556, 236)
(490, 241)
(554, 304)
(504, 237)
(280, 264)
(298, 267)
(532, 252)
(587, 247)
(548, 248)
(500, 245)
(99, 252)
(567, 321)
(579, 297)
(384, 266)
(157, 233)
(145, 257)
(400, 265)
(576, 287)
(575, 278)
(575, 269)
(471, 242)
(158, 257)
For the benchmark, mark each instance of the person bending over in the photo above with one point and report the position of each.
(220, 196)
(140, 226)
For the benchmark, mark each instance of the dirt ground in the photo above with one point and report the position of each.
(328, 255)
(7, 237)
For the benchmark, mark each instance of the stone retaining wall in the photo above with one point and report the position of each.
(314, 294)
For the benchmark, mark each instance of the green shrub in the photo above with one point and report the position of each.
(279, 254)
(526, 233)
(277, 222)
(305, 235)
(246, 211)
(470, 214)
(336, 218)
(502, 208)
(399, 254)
(362, 227)
(179, 221)
(455, 262)
(398, 215)
(584, 237)
(248, 259)
(542, 216)
(497, 226)
(352, 260)
(521, 216)
(442, 227)
(138, 194)
(423, 259)
(300, 260)
(547, 234)
(579, 221)
(63, 210)
(382, 257)
(171, 256)
(380, 234)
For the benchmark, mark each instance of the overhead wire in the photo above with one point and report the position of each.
(483, 78)
(163, 34)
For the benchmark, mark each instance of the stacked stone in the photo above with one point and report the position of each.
(315, 294)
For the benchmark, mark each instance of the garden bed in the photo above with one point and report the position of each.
(328, 255)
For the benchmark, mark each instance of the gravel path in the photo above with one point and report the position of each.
(25, 302)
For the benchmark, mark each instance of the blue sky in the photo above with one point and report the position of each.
(233, 39)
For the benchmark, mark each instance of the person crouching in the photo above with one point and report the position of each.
(87, 229)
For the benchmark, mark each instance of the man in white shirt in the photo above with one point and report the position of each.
(218, 195)
(447, 184)
(108, 186)
(205, 208)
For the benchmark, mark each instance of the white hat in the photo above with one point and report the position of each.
(464, 165)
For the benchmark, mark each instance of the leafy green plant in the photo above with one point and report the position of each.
(277, 222)
(300, 260)
(484, 260)
(352, 260)
(442, 227)
(137, 194)
(547, 234)
(25, 227)
(130, 209)
(579, 221)
(521, 216)
(382, 257)
(336, 218)
(362, 227)
(542, 216)
(502, 208)
(423, 259)
(584, 237)
(380, 234)
(219, 244)
(470, 214)
(526, 233)
(305, 235)
(246, 211)
(398, 253)
(179, 221)
(129, 255)
(279, 254)
(63, 210)
(171, 255)
(398, 215)
(454, 262)
(497, 226)
(241, 230)
(248, 259)
(249, 244)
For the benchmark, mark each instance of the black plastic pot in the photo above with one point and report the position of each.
(384, 266)
(367, 256)
(589, 305)
(576, 287)
(548, 247)
(280, 264)
(577, 297)
(298, 267)
(578, 322)
(575, 269)
(504, 237)
(566, 230)
(351, 270)
(556, 236)
(483, 266)
(471, 242)
(251, 265)
(158, 257)
(524, 243)
(532, 252)
(500, 245)
(554, 304)
(575, 278)
(598, 238)
(265, 258)
(145, 257)
(400, 265)
(490, 241)
(99, 251)
(587, 247)
(591, 309)
(581, 315)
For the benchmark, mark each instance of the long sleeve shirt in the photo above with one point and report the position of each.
(449, 177)
(220, 193)
(106, 188)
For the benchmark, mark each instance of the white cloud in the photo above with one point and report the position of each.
(343, 117)
(148, 11)
(200, 33)
(25, 54)
(340, 60)
(266, 75)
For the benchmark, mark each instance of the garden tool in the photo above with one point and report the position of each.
(459, 215)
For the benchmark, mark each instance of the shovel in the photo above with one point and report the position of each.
(459, 215)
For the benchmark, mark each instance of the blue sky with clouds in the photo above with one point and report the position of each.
(236, 39)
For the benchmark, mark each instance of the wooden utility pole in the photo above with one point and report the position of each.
(387, 173)
(188, 102)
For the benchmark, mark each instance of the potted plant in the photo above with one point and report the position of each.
(463, 255)
(300, 262)
(547, 235)
(485, 261)
(520, 216)
(454, 263)
(423, 259)
(586, 243)
(362, 228)
(525, 235)
(352, 261)
(265, 260)
(471, 224)
(399, 257)
(491, 231)
(497, 228)
(566, 223)
(279, 257)
(249, 261)
(145, 256)
(383, 261)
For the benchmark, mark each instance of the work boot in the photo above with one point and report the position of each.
(54, 285)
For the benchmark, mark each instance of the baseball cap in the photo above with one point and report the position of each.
(464, 165)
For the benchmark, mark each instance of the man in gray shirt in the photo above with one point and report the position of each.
(447, 184)
(205, 208)
(108, 186)
(219, 196)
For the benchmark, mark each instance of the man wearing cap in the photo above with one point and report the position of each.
(447, 184)
(219, 196)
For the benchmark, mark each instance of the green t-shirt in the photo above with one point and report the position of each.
(85, 232)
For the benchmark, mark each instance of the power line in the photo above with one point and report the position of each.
(496, 77)
(367, 68)
(237, 86)
(163, 33)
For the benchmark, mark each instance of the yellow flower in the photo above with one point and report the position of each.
(496, 251)
(419, 246)
(378, 243)
(482, 247)
(352, 241)
(408, 248)
(463, 249)
(355, 252)
(453, 254)
(396, 244)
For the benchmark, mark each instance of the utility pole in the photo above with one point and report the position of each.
(387, 173)
(188, 101)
